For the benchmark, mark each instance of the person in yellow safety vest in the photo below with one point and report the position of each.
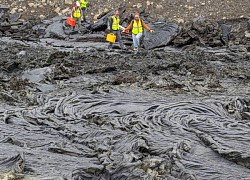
(83, 5)
(114, 27)
(137, 26)
(76, 13)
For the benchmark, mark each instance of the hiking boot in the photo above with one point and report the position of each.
(124, 48)
(136, 49)
(110, 47)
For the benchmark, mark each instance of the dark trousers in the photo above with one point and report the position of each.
(84, 13)
(78, 23)
(118, 38)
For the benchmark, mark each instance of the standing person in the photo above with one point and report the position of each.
(76, 13)
(137, 26)
(114, 27)
(83, 5)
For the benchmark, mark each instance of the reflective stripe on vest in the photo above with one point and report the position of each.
(115, 24)
(83, 3)
(77, 13)
(137, 28)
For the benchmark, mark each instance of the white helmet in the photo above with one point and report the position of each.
(77, 3)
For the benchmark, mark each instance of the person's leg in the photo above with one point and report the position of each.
(73, 27)
(135, 43)
(84, 14)
(79, 23)
(111, 44)
(119, 39)
(138, 37)
(136, 40)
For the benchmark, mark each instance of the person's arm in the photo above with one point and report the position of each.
(88, 4)
(72, 11)
(81, 13)
(145, 25)
(110, 22)
(121, 27)
(129, 27)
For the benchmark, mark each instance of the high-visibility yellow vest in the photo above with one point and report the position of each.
(116, 23)
(77, 13)
(83, 3)
(137, 28)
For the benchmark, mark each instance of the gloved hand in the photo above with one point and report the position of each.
(125, 31)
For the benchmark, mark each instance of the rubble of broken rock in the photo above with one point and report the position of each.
(70, 108)
(199, 31)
